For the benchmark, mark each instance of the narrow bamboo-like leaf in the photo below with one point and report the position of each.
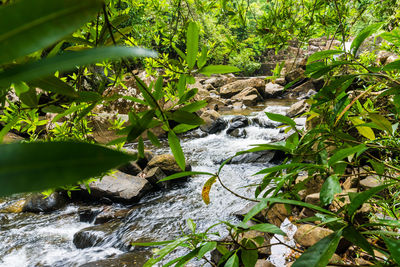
(8, 127)
(395, 65)
(287, 166)
(354, 236)
(267, 228)
(158, 93)
(364, 34)
(192, 44)
(40, 165)
(233, 261)
(195, 106)
(205, 193)
(344, 153)
(382, 122)
(281, 118)
(147, 244)
(323, 54)
(185, 117)
(181, 85)
(330, 187)
(55, 85)
(394, 248)
(68, 111)
(141, 147)
(182, 128)
(42, 22)
(179, 52)
(206, 248)
(176, 149)
(203, 57)
(153, 139)
(88, 96)
(298, 203)
(363, 130)
(165, 251)
(319, 254)
(188, 95)
(86, 111)
(218, 69)
(256, 209)
(184, 174)
(361, 198)
(68, 61)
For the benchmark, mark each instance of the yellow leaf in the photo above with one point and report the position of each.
(363, 130)
(206, 189)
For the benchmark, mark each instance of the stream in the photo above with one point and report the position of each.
(45, 239)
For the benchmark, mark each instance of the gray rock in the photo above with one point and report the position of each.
(167, 163)
(273, 90)
(238, 133)
(212, 122)
(130, 259)
(94, 235)
(40, 203)
(120, 187)
(236, 123)
(370, 182)
(236, 87)
(298, 108)
(254, 157)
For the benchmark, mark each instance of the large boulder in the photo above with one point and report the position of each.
(254, 157)
(307, 234)
(212, 122)
(120, 187)
(231, 89)
(217, 82)
(94, 235)
(41, 203)
(14, 207)
(130, 259)
(167, 163)
(298, 108)
(302, 90)
(273, 90)
(249, 96)
(236, 123)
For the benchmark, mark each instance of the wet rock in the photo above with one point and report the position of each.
(249, 96)
(15, 207)
(109, 214)
(120, 187)
(131, 168)
(265, 249)
(273, 90)
(131, 259)
(277, 214)
(312, 184)
(167, 163)
(370, 182)
(87, 214)
(231, 89)
(40, 203)
(212, 122)
(154, 175)
(238, 133)
(298, 108)
(236, 123)
(350, 182)
(281, 81)
(254, 157)
(261, 216)
(301, 90)
(94, 235)
(296, 74)
(307, 234)
(313, 199)
(264, 263)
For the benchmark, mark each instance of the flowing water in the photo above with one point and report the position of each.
(46, 239)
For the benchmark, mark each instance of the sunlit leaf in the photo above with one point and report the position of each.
(205, 193)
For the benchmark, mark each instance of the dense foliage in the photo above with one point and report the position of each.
(78, 49)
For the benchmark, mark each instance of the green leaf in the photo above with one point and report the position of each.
(191, 225)
(203, 57)
(55, 85)
(68, 61)
(192, 44)
(354, 236)
(344, 153)
(195, 106)
(182, 128)
(185, 117)
(233, 261)
(394, 248)
(298, 203)
(188, 95)
(181, 85)
(176, 149)
(41, 165)
(42, 22)
(184, 174)
(218, 69)
(249, 253)
(281, 118)
(319, 254)
(330, 187)
(141, 148)
(147, 244)
(29, 98)
(287, 166)
(88, 96)
(379, 167)
(153, 139)
(8, 127)
(165, 251)
(382, 122)
(323, 54)
(364, 34)
(361, 198)
(158, 92)
(68, 111)
(205, 193)
(179, 52)
(363, 130)
(395, 65)
(267, 228)
(206, 248)
(264, 203)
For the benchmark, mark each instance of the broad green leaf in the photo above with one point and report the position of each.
(182, 128)
(281, 118)
(140, 125)
(382, 122)
(184, 174)
(323, 54)
(395, 65)
(287, 166)
(205, 193)
(298, 203)
(8, 127)
(191, 225)
(394, 248)
(218, 69)
(379, 167)
(203, 57)
(206, 248)
(249, 253)
(263, 204)
(69, 111)
(364, 34)
(147, 244)
(330, 187)
(41, 165)
(88, 96)
(28, 26)
(55, 85)
(140, 148)
(153, 139)
(165, 251)
(179, 52)
(319, 254)
(181, 85)
(392, 37)
(195, 106)
(68, 61)
(233, 261)
(363, 130)
(354, 236)
(361, 198)
(29, 98)
(176, 149)
(188, 95)
(344, 153)
(20, 88)
(185, 117)
(267, 228)
(53, 109)
(158, 93)
(192, 44)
